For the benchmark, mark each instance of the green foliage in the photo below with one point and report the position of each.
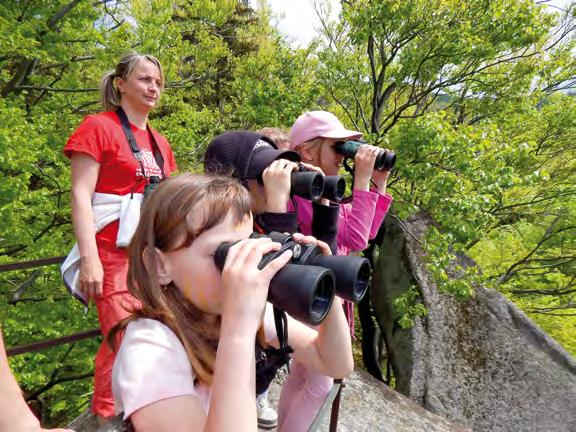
(225, 68)
(466, 93)
(409, 307)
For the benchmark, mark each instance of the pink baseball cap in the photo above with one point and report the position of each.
(318, 124)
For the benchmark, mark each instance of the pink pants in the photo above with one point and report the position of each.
(302, 396)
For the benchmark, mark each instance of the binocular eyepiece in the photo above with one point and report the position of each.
(312, 185)
(305, 287)
(384, 161)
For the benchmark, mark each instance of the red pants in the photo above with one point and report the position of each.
(111, 309)
(115, 304)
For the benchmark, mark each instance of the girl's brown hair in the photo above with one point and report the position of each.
(165, 225)
(109, 95)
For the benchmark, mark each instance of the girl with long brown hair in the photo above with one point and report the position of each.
(187, 358)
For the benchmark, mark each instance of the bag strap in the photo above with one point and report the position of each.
(134, 145)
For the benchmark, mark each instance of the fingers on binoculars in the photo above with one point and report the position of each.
(324, 247)
(366, 153)
(372, 151)
(276, 264)
(283, 164)
(250, 251)
(301, 238)
(312, 167)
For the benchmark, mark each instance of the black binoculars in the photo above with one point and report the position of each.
(153, 182)
(384, 161)
(305, 287)
(312, 185)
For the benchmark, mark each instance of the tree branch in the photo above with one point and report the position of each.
(23, 71)
(27, 87)
(549, 233)
(51, 384)
(51, 24)
(22, 288)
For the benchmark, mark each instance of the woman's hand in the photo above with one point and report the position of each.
(91, 276)
(277, 184)
(364, 166)
(245, 287)
(380, 177)
(85, 171)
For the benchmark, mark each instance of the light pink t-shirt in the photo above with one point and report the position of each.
(152, 365)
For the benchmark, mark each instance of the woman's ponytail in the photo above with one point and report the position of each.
(109, 94)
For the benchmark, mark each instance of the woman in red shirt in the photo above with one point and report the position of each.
(105, 170)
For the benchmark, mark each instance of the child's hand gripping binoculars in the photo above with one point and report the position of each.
(305, 287)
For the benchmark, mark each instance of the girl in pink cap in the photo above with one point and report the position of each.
(314, 135)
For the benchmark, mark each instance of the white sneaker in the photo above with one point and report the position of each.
(267, 416)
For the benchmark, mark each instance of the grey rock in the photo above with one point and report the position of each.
(482, 362)
(366, 405)
(86, 422)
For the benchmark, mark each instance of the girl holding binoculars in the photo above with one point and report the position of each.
(187, 358)
(315, 135)
(265, 172)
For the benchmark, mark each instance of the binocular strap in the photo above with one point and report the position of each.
(281, 324)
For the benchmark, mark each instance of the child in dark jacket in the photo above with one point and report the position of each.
(265, 171)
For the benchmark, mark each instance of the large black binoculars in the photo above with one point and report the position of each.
(384, 161)
(312, 185)
(305, 287)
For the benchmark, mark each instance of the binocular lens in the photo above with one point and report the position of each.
(317, 187)
(307, 184)
(361, 283)
(334, 188)
(385, 161)
(351, 273)
(305, 292)
(322, 300)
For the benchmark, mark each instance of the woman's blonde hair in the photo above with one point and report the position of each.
(309, 144)
(165, 225)
(109, 95)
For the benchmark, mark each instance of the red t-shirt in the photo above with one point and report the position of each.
(101, 136)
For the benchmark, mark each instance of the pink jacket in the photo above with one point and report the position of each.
(358, 222)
